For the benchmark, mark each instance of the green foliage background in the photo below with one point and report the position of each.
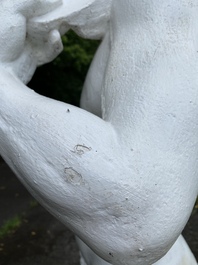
(64, 77)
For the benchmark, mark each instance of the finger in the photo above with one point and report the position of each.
(54, 46)
(64, 10)
(59, 17)
(32, 8)
(50, 49)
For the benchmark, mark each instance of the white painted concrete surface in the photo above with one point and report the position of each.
(125, 181)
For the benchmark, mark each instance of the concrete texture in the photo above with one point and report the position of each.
(41, 239)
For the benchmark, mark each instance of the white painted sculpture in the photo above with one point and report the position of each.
(125, 182)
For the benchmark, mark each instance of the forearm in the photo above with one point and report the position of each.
(46, 141)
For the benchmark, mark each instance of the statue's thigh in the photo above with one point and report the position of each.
(179, 254)
(88, 257)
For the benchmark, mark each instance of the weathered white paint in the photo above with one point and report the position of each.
(179, 254)
(126, 183)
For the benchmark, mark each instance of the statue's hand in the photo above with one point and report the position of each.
(88, 18)
(19, 53)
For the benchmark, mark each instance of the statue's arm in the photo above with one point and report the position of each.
(83, 172)
(62, 154)
(20, 53)
(74, 164)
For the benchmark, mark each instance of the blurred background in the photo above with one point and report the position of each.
(63, 78)
(29, 235)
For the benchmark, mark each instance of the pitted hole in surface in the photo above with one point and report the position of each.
(81, 149)
(73, 177)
